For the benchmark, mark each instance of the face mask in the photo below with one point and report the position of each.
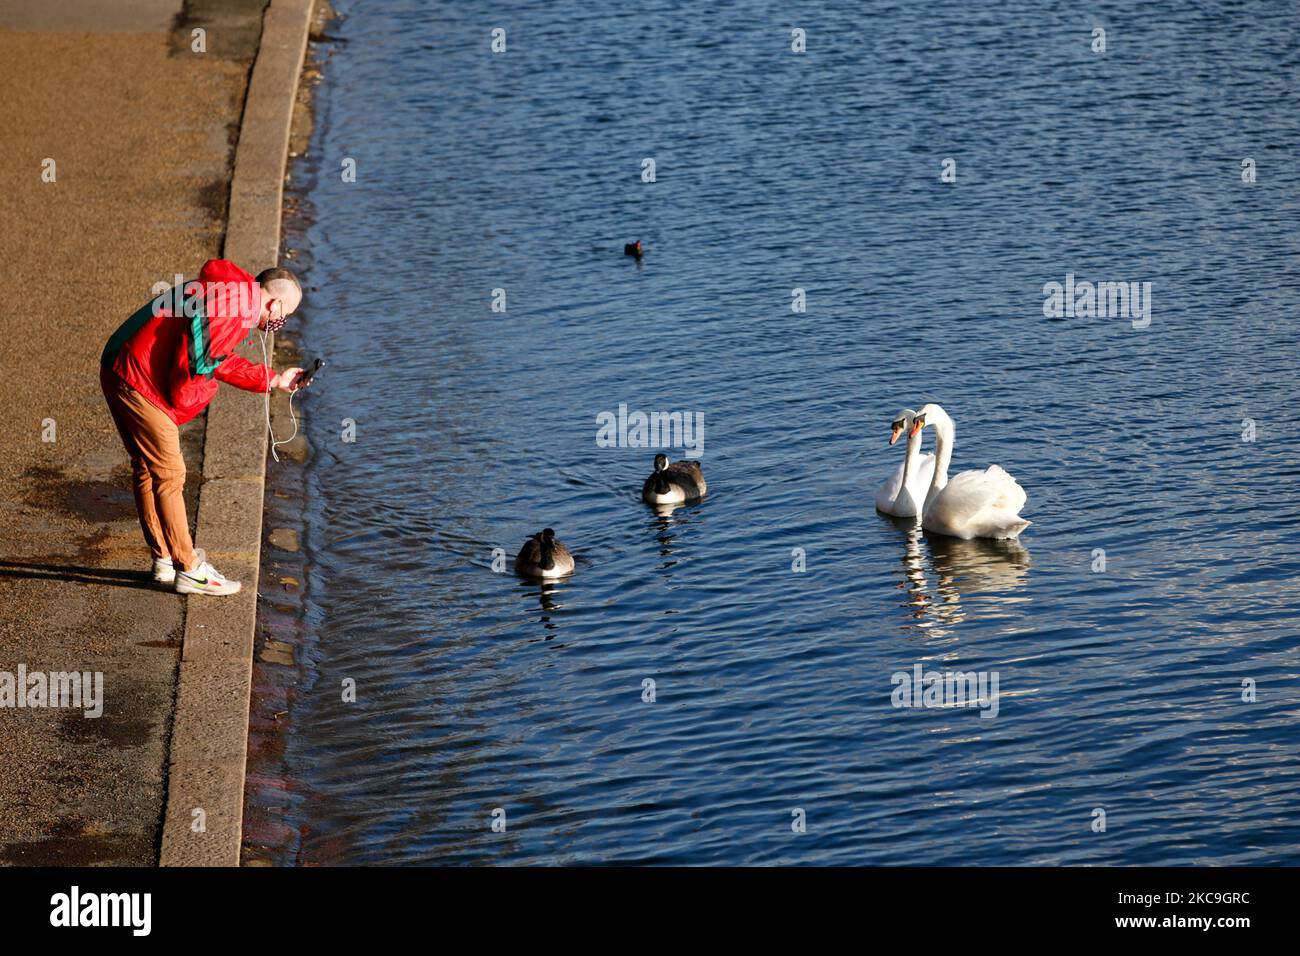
(274, 323)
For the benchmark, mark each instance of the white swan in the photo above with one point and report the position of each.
(902, 494)
(975, 504)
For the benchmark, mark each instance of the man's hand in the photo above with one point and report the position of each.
(285, 380)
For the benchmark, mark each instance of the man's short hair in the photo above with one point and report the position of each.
(273, 279)
(275, 272)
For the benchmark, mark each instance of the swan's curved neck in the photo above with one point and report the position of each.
(944, 438)
(909, 460)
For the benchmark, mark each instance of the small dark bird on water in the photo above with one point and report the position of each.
(633, 249)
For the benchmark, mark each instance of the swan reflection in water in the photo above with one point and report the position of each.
(940, 572)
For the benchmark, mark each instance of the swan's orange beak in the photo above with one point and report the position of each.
(894, 432)
(917, 425)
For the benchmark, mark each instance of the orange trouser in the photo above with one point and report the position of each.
(157, 468)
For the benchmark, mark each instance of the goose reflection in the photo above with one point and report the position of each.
(547, 593)
(665, 525)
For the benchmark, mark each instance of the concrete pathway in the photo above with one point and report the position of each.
(141, 132)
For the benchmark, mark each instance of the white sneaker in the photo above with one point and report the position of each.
(205, 579)
(164, 572)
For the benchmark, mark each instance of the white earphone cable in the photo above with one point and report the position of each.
(266, 361)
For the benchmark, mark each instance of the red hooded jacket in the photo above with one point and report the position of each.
(175, 349)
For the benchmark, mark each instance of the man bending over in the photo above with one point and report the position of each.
(161, 368)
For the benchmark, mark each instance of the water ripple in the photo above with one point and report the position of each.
(1120, 689)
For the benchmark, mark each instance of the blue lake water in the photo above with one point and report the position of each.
(1120, 689)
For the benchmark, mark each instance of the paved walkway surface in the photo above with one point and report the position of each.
(141, 132)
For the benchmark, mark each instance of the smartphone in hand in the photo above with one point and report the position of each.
(305, 378)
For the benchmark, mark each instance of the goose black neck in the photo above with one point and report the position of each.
(548, 554)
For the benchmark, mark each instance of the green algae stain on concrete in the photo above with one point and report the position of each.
(232, 29)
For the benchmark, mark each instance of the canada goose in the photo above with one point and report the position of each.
(544, 557)
(675, 483)
(633, 249)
